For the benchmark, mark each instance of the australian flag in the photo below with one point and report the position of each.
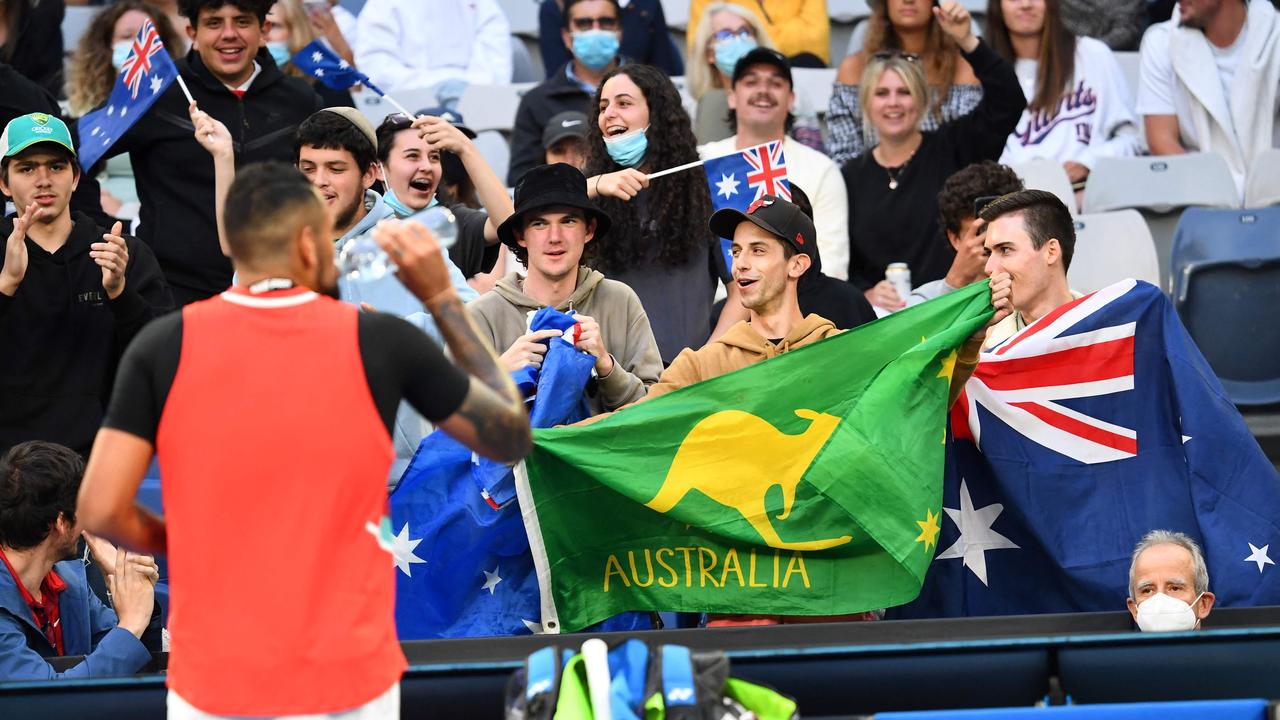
(144, 76)
(464, 566)
(323, 64)
(740, 178)
(1075, 437)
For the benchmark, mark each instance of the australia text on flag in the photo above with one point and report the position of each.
(144, 76)
(740, 178)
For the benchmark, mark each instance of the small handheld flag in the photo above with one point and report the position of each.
(323, 64)
(144, 76)
(761, 169)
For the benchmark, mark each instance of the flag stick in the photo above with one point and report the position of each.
(676, 169)
(398, 106)
(182, 84)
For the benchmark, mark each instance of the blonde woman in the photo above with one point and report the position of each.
(291, 30)
(725, 33)
(893, 187)
(104, 46)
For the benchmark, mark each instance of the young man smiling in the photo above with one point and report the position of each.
(760, 104)
(232, 78)
(72, 294)
(552, 229)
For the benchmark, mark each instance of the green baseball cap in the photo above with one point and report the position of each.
(24, 131)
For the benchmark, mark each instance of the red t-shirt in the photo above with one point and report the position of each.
(274, 450)
(45, 612)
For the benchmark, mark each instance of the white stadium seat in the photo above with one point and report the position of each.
(492, 107)
(1110, 247)
(1160, 188)
(1263, 186)
(1042, 174)
(522, 16)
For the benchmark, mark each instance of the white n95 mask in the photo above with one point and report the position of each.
(1163, 613)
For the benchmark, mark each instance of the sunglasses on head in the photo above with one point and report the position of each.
(891, 54)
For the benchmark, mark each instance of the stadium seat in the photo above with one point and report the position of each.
(813, 89)
(492, 107)
(523, 67)
(522, 16)
(1263, 186)
(1226, 286)
(493, 146)
(677, 14)
(74, 24)
(1111, 247)
(1042, 174)
(848, 11)
(1130, 64)
(1160, 188)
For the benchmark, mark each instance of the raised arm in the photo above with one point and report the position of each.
(214, 137)
(440, 134)
(492, 419)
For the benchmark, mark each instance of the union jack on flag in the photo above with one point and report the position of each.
(144, 76)
(741, 177)
(1077, 435)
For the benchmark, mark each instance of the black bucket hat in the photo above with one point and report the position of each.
(547, 185)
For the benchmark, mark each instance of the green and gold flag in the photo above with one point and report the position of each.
(808, 484)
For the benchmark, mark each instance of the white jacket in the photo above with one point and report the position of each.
(1179, 77)
(1094, 120)
(420, 43)
(823, 184)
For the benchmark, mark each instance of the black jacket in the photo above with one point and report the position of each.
(552, 96)
(832, 298)
(62, 336)
(175, 175)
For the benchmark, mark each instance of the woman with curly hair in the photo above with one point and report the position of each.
(105, 45)
(660, 244)
(905, 26)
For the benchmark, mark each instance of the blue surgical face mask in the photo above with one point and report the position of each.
(595, 48)
(628, 150)
(400, 209)
(729, 52)
(120, 51)
(279, 52)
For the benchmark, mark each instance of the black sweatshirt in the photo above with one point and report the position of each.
(888, 226)
(60, 337)
(175, 175)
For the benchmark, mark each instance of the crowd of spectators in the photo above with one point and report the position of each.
(925, 117)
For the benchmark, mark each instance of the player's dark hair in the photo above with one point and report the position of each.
(265, 207)
(48, 147)
(190, 9)
(330, 131)
(1043, 217)
(38, 482)
(965, 186)
(564, 14)
(386, 133)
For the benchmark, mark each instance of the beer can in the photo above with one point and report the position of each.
(899, 276)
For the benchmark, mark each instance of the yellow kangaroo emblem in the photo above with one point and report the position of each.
(734, 457)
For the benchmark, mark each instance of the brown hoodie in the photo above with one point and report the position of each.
(502, 316)
(739, 347)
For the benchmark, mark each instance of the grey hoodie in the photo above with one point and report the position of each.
(502, 315)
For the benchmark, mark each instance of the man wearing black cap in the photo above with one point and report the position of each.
(771, 249)
(760, 104)
(565, 139)
(553, 227)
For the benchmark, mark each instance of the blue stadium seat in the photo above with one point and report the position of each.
(1226, 286)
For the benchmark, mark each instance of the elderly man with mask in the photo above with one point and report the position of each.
(1168, 583)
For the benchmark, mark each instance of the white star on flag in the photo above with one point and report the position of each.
(111, 111)
(124, 111)
(727, 186)
(491, 580)
(106, 141)
(976, 535)
(343, 64)
(319, 72)
(1259, 556)
(156, 84)
(534, 627)
(95, 132)
(316, 56)
(402, 549)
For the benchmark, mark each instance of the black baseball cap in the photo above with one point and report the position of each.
(781, 218)
(767, 56)
(563, 125)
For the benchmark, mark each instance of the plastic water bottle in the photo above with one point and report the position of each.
(360, 258)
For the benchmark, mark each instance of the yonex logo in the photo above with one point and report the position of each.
(539, 687)
(680, 695)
